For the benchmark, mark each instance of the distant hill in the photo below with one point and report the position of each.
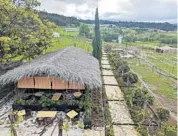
(149, 25)
(73, 21)
(59, 19)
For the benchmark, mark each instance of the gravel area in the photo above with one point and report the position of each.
(94, 133)
(119, 112)
(124, 131)
(5, 124)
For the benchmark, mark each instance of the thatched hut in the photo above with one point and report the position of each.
(66, 66)
(63, 80)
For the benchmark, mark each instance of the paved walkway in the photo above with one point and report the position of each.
(118, 108)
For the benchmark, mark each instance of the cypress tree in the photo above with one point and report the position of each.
(97, 53)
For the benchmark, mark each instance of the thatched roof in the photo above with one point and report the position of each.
(70, 64)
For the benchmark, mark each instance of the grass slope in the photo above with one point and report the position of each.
(158, 84)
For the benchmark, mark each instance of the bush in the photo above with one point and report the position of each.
(122, 68)
(20, 101)
(130, 77)
(163, 114)
(107, 48)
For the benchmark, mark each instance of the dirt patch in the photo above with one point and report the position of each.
(153, 87)
(170, 104)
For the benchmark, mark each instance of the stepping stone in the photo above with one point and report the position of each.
(106, 72)
(113, 93)
(110, 80)
(105, 62)
(124, 130)
(105, 53)
(119, 112)
(104, 58)
(106, 66)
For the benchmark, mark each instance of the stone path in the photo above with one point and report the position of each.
(117, 105)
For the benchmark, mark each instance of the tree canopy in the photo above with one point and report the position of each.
(23, 35)
(84, 30)
(97, 51)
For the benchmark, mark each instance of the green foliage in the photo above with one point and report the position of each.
(65, 41)
(97, 49)
(109, 37)
(20, 101)
(130, 77)
(135, 25)
(150, 36)
(84, 30)
(142, 131)
(66, 126)
(45, 101)
(107, 49)
(59, 20)
(137, 115)
(87, 104)
(81, 125)
(167, 130)
(31, 101)
(163, 114)
(161, 85)
(122, 67)
(28, 35)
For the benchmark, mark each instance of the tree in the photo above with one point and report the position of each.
(27, 35)
(84, 30)
(97, 51)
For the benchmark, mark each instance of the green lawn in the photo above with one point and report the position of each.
(159, 84)
(69, 39)
(166, 62)
(63, 42)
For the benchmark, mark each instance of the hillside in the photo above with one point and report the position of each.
(59, 19)
(73, 21)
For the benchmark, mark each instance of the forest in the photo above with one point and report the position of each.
(65, 21)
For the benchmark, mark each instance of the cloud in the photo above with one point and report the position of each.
(124, 10)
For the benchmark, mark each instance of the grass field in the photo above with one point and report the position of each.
(69, 39)
(167, 62)
(159, 84)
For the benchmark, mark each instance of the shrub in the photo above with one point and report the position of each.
(163, 114)
(130, 77)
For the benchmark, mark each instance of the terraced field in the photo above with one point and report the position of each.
(167, 62)
(159, 84)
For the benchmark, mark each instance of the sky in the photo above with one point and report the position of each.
(116, 10)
